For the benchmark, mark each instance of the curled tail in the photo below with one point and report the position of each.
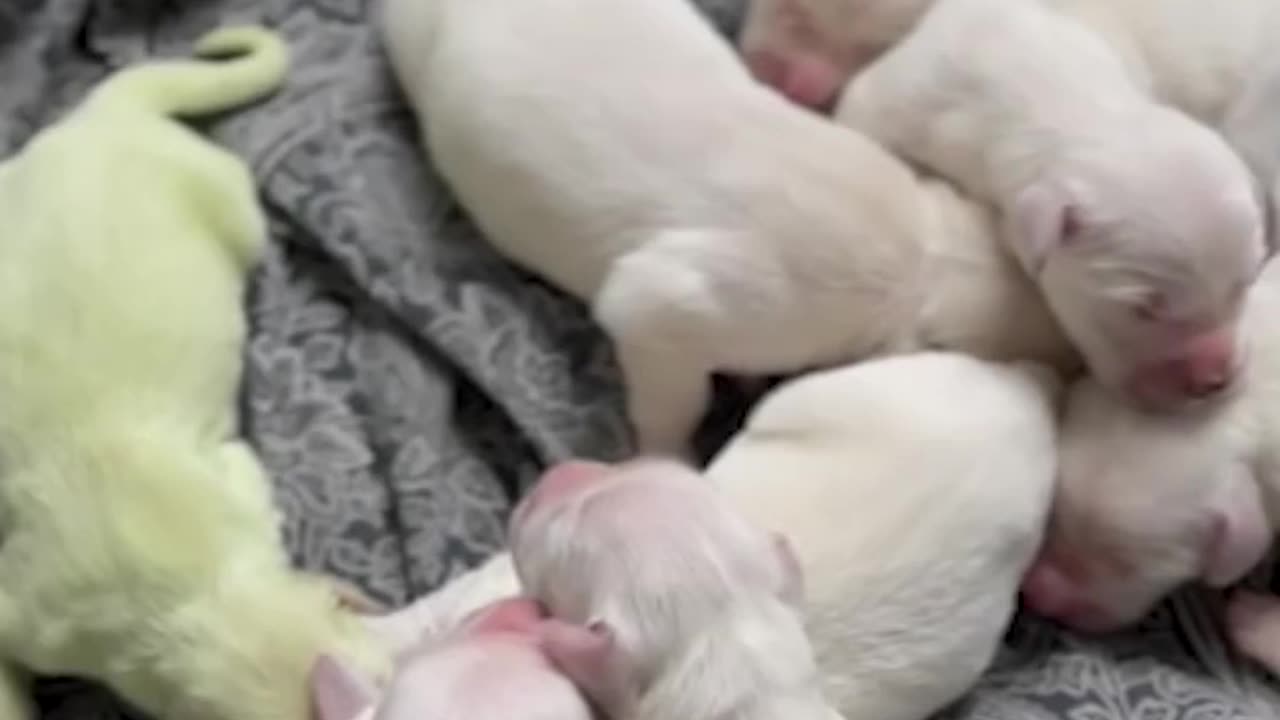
(237, 65)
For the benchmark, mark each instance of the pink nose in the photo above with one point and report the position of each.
(804, 78)
(1204, 366)
(1051, 594)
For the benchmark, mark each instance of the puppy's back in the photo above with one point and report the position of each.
(914, 491)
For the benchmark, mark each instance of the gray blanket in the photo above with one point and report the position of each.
(404, 384)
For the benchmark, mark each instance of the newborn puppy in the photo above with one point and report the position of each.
(1139, 225)
(1195, 60)
(489, 667)
(1147, 503)
(712, 225)
(914, 491)
(141, 548)
(670, 604)
(1217, 66)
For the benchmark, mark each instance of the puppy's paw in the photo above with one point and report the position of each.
(1253, 625)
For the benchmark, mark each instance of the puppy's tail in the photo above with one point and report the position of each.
(237, 65)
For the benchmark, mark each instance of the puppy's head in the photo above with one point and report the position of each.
(645, 555)
(1145, 253)
(491, 667)
(1144, 504)
(807, 49)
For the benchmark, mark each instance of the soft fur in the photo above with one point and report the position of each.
(1188, 55)
(1211, 61)
(667, 603)
(711, 225)
(1140, 226)
(141, 548)
(1147, 503)
(839, 462)
(487, 667)
(914, 492)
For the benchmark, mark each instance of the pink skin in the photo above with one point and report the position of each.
(511, 616)
(561, 480)
(807, 79)
(1206, 366)
(1095, 593)
(1253, 624)
(1052, 593)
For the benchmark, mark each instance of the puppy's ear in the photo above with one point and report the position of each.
(792, 589)
(337, 693)
(591, 657)
(1043, 218)
(1241, 534)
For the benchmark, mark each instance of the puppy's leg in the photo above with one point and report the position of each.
(1253, 624)
(230, 200)
(658, 310)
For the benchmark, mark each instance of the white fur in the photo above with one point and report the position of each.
(672, 606)
(914, 492)
(1139, 224)
(1194, 56)
(486, 667)
(1146, 503)
(621, 150)
(1211, 61)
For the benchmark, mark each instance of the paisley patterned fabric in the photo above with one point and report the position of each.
(404, 384)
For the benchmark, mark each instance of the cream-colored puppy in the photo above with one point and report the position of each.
(621, 150)
(913, 491)
(1147, 503)
(1140, 225)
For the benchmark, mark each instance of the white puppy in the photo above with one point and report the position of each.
(914, 492)
(1147, 503)
(958, 450)
(1139, 224)
(1213, 62)
(621, 150)
(670, 604)
(489, 667)
(1195, 58)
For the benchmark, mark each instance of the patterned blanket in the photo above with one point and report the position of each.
(404, 384)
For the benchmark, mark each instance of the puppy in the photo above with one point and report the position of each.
(1147, 503)
(914, 491)
(840, 462)
(489, 667)
(1195, 60)
(669, 604)
(1139, 225)
(1215, 66)
(141, 548)
(711, 225)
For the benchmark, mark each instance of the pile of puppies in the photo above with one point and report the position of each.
(1009, 195)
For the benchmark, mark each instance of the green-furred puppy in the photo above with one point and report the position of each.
(138, 541)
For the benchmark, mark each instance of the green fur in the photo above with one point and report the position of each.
(140, 546)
